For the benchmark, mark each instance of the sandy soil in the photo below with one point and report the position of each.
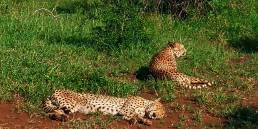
(10, 118)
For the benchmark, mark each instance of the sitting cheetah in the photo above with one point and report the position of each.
(163, 65)
(133, 108)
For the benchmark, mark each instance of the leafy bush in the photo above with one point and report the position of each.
(75, 6)
(178, 8)
(123, 26)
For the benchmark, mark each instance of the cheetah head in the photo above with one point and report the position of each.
(155, 110)
(178, 48)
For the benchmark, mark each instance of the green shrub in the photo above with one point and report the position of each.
(179, 8)
(123, 25)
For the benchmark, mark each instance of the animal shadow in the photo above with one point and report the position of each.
(244, 117)
(143, 73)
(246, 44)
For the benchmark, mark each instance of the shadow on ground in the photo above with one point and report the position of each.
(244, 117)
(246, 44)
(143, 73)
(76, 40)
(72, 40)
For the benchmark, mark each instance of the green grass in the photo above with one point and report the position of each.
(40, 53)
(92, 123)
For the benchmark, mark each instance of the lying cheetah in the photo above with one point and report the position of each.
(133, 108)
(163, 65)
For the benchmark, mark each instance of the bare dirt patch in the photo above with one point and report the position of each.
(9, 118)
(240, 60)
(251, 100)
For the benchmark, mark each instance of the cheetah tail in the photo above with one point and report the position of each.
(199, 83)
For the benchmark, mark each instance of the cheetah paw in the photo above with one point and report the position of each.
(58, 115)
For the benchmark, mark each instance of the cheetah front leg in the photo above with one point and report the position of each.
(58, 114)
(134, 117)
(143, 120)
(62, 114)
(53, 110)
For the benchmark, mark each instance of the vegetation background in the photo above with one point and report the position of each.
(105, 47)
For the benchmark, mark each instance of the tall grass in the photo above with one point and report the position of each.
(95, 47)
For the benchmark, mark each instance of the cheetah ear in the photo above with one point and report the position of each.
(157, 100)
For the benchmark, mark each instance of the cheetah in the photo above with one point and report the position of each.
(133, 108)
(163, 65)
